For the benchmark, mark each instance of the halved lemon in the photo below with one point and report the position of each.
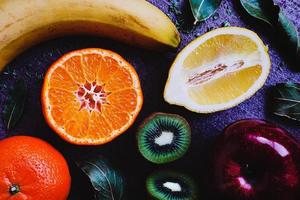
(218, 70)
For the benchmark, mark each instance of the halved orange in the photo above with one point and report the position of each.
(91, 96)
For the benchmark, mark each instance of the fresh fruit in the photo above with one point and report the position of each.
(257, 160)
(169, 185)
(91, 96)
(164, 137)
(25, 23)
(218, 70)
(32, 169)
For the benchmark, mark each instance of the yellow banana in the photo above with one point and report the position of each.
(24, 23)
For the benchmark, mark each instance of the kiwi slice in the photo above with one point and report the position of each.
(164, 137)
(169, 185)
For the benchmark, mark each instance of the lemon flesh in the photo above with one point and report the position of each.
(226, 88)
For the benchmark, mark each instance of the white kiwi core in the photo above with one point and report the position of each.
(174, 187)
(165, 138)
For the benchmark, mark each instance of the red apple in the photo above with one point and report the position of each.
(254, 159)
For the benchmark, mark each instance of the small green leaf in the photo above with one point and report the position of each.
(286, 100)
(108, 184)
(289, 31)
(254, 8)
(14, 105)
(203, 9)
(270, 13)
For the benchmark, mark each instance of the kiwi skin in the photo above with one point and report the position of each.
(171, 155)
(155, 188)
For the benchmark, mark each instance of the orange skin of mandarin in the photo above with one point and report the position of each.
(31, 169)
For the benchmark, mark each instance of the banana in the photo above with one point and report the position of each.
(25, 23)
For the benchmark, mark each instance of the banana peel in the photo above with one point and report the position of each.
(135, 22)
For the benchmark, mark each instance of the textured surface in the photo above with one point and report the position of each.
(153, 69)
(37, 168)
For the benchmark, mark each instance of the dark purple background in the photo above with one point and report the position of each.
(152, 68)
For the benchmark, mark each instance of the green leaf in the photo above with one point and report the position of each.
(270, 13)
(289, 31)
(14, 105)
(286, 100)
(203, 9)
(254, 8)
(108, 184)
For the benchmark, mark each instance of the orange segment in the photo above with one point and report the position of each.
(63, 113)
(59, 96)
(58, 115)
(120, 80)
(91, 65)
(91, 96)
(73, 67)
(78, 125)
(108, 68)
(115, 116)
(125, 100)
(99, 125)
(60, 78)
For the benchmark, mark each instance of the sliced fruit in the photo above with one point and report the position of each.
(169, 185)
(91, 96)
(164, 137)
(218, 70)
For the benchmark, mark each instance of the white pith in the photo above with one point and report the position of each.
(165, 138)
(230, 61)
(176, 89)
(174, 187)
(98, 97)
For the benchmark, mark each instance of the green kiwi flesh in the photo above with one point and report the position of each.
(169, 185)
(163, 138)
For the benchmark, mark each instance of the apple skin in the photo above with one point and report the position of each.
(256, 160)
